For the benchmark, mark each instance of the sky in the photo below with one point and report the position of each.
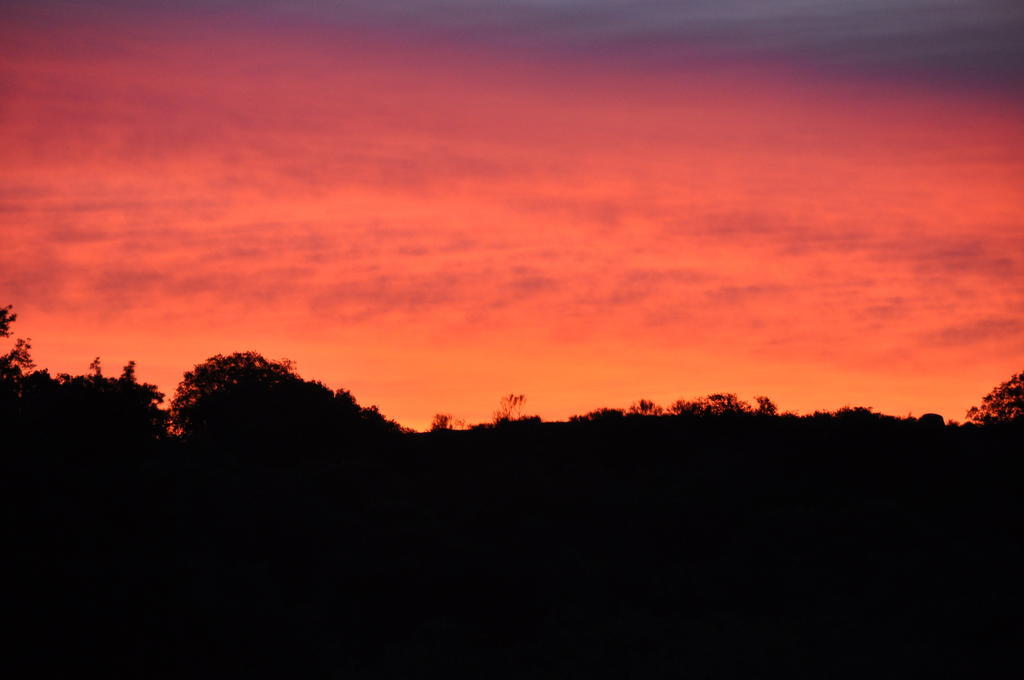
(434, 204)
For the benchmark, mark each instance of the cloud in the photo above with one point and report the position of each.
(615, 288)
(602, 212)
(740, 295)
(968, 42)
(368, 296)
(887, 309)
(956, 257)
(979, 331)
(946, 38)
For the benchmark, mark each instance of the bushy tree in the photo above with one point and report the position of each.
(720, 404)
(1004, 404)
(245, 396)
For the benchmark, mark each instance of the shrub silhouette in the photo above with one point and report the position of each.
(855, 416)
(509, 408)
(645, 407)
(446, 421)
(371, 420)
(599, 415)
(1004, 404)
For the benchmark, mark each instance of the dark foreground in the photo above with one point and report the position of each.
(647, 548)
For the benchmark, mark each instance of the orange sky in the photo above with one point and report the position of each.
(432, 226)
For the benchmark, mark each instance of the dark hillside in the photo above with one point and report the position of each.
(645, 547)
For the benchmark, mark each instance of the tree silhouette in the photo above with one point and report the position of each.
(766, 407)
(7, 317)
(245, 394)
(15, 365)
(120, 408)
(1005, 403)
(247, 397)
(90, 409)
(18, 361)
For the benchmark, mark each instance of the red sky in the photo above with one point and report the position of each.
(432, 224)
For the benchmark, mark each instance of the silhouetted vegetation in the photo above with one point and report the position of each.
(726, 404)
(645, 407)
(17, 362)
(509, 408)
(599, 415)
(446, 421)
(7, 317)
(715, 538)
(92, 406)
(1004, 404)
(75, 414)
(245, 398)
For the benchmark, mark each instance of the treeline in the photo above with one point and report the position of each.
(241, 397)
(246, 398)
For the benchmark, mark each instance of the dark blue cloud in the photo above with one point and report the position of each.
(972, 41)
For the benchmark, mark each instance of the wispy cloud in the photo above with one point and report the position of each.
(980, 331)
